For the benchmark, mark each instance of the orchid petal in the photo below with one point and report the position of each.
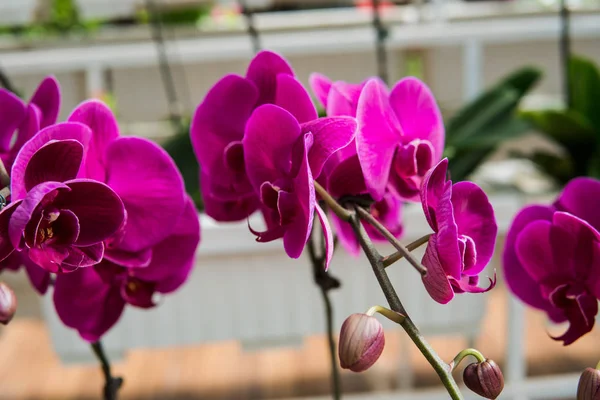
(434, 185)
(293, 97)
(418, 113)
(98, 306)
(61, 131)
(378, 135)
(103, 125)
(320, 85)
(6, 246)
(328, 235)
(330, 135)
(13, 111)
(47, 99)
(57, 160)
(475, 218)
(270, 136)
(579, 197)
(151, 188)
(436, 280)
(263, 71)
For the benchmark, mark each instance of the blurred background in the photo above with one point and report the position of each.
(518, 84)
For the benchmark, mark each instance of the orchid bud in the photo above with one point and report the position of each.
(361, 342)
(484, 378)
(589, 385)
(8, 303)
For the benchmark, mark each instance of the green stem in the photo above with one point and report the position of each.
(366, 216)
(376, 261)
(392, 258)
(386, 312)
(465, 353)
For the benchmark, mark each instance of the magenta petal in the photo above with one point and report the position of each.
(328, 235)
(263, 71)
(578, 254)
(346, 235)
(56, 161)
(377, 137)
(6, 246)
(84, 302)
(47, 99)
(388, 211)
(226, 210)
(447, 246)
(51, 258)
(293, 97)
(464, 285)
(581, 316)
(103, 124)
(12, 113)
(343, 99)
(129, 259)
(84, 256)
(298, 232)
(138, 293)
(21, 216)
(151, 188)
(99, 209)
(39, 277)
(61, 131)
(173, 258)
(28, 128)
(330, 135)
(418, 113)
(436, 281)
(220, 119)
(515, 275)
(270, 136)
(580, 197)
(433, 186)
(320, 85)
(475, 218)
(346, 178)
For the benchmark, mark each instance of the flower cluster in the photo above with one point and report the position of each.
(108, 215)
(552, 257)
(262, 147)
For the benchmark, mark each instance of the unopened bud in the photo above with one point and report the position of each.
(8, 303)
(589, 385)
(361, 342)
(484, 378)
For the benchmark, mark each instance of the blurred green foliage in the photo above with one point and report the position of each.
(576, 128)
(477, 130)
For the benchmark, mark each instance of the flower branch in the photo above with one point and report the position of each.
(392, 258)
(112, 384)
(376, 261)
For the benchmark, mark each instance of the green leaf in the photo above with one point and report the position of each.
(584, 81)
(464, 162)
(513, 87)
(180, 149)
(567, 127)
(496, 133)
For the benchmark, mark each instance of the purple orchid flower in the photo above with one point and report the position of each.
(142, 174)
(218, 127)
(564, 293)
(39, 277)
(342, 174)
(282, 156)
(58, 219)
(464, 238)
(26, 119)
(92, 300)
(400, 136)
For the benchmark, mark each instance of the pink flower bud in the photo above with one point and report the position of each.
(8, 303)
(589, 385)
(484, 378)
(361, 342)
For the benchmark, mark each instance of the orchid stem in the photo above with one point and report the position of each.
(392, 258)
(337, 209)
(326, 283)
(376, 260)
(386, 312)
(112, 384)
(366, 216)
(465, 353)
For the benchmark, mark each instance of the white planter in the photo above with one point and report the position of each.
(17, 12)
(105, 9)
(254, 293)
